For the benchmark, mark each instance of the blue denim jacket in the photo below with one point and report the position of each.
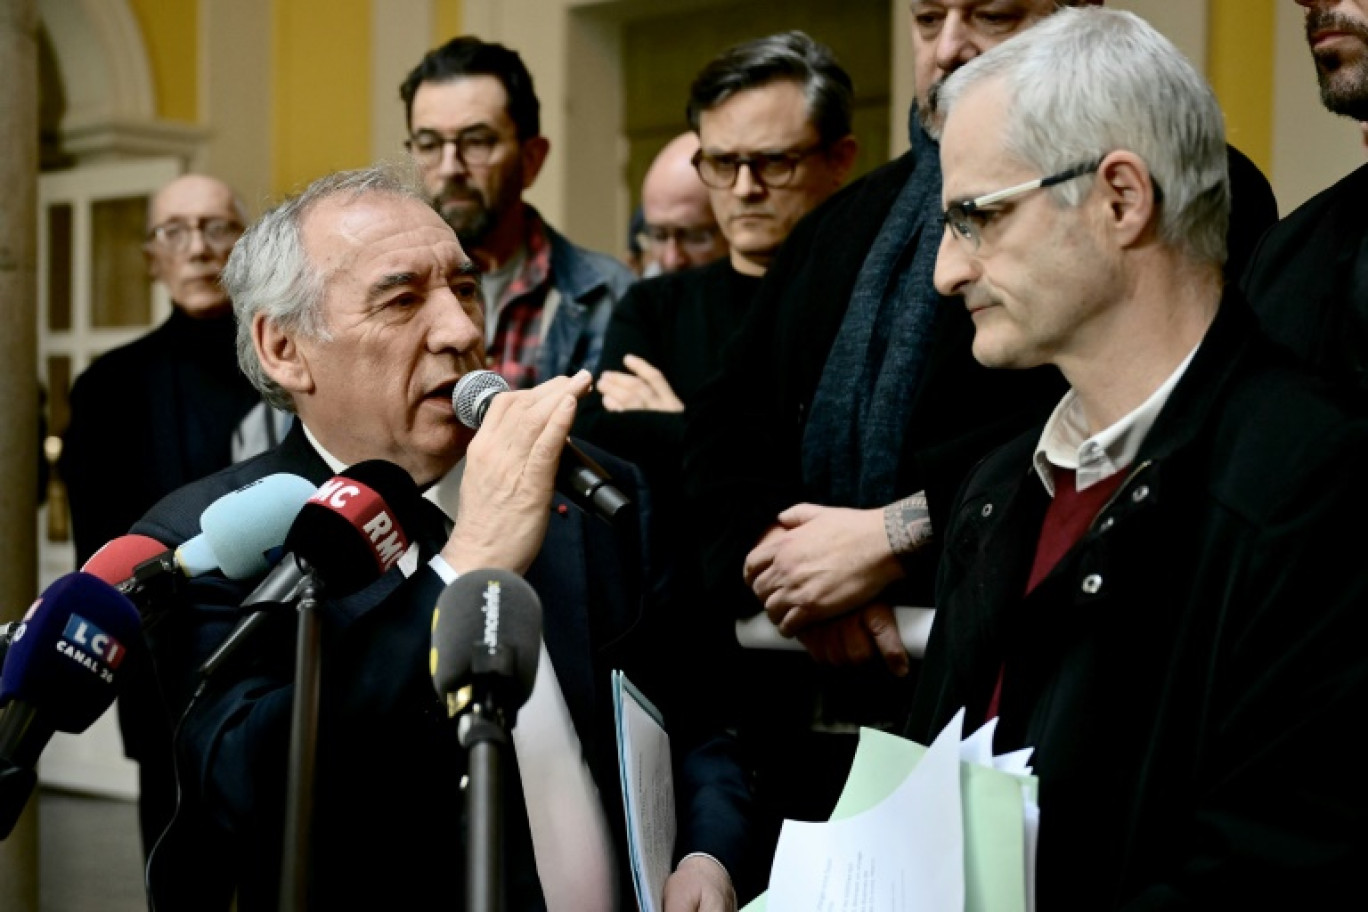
(590, 284)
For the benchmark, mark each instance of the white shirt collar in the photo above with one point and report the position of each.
(1065, 442)
(445, 493)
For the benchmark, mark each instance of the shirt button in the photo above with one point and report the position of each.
(1106, 524)
(1092, 583)
(987, 511)
(1140, 493)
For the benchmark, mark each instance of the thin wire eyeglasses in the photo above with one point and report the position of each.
(966, 218)
(474, 146)
(219, 234)
(774, 170)
(697, 239)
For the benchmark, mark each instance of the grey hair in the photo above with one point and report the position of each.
(269, 271)
(1088, 81)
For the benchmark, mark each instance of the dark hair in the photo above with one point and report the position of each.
(787, 55)
(469, 56)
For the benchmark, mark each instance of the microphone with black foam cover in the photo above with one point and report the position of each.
(579, 477)
(486, 639)
(241, 535)
(348, 534)
(61, 674)
(486, 642)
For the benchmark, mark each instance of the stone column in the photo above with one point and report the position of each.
(18, 378)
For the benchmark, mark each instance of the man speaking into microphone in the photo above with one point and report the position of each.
(359, 312)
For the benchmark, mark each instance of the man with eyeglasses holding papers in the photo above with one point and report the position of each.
(1150, 589)
(475, 133)
(156, 414)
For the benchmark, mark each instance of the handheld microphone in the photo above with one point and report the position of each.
(346, 536)
(486, 639)
(241, 534)
(60, 675)
(578, 477)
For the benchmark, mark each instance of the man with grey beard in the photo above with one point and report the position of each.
(475, 133)
(1308, 280)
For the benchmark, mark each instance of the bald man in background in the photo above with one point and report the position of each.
(155, 414)
(680, 229)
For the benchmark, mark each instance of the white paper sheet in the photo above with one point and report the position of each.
(903, 855)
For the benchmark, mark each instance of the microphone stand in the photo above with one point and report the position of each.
(294, 869)
(484, 734)
(485, 740)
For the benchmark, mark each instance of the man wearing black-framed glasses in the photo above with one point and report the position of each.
(474, 124)
(774, 140)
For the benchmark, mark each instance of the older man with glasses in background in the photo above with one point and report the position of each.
(678, 229)
(158, 413)
(475, 133)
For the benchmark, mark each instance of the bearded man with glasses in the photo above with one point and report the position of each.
(475, 133)
(156, 414)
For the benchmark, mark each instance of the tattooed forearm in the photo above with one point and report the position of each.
(907, 524)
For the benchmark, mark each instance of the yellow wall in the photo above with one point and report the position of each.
(446, 21)
(170, 29)
(1240, 66)
(321, 54)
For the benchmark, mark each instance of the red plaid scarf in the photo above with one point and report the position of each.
(518, 333)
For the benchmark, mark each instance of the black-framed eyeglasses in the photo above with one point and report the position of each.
(770, 169)
(219, 234)
(474, 146)
(966, 218)
(697, 239)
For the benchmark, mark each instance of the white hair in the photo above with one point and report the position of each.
(1088, 81)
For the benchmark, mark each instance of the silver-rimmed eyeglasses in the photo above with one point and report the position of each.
(219, 234)
(967, 218)
(697, 239)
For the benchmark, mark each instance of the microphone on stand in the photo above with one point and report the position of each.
(578, 477)
(486, 641)
(347, 533)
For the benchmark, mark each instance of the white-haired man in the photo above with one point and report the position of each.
(1151, 590)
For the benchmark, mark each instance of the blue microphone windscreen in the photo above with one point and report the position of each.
(66, 656)
(240, 530)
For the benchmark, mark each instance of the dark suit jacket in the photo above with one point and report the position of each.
(1179, 668)
(389, 829)
(1308, 280)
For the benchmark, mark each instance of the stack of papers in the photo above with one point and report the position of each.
(916, 828)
